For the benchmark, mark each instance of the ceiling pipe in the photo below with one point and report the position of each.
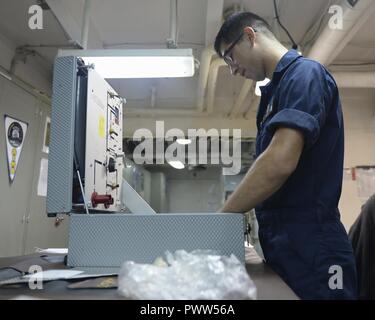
(85, 23)
(173, 25)
(246, 87)
(332, 41)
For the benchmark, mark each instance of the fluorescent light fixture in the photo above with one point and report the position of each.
(261, 84)
(183, 141)
(176, 164)
(133, 63)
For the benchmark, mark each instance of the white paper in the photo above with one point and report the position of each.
(64, 274)
(43, 174)
(365, 182)
(57, 274)
(53, 250)
(53, 275)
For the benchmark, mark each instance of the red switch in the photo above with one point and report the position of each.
(105, 199)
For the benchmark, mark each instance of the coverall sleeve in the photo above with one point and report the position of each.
(303, 101)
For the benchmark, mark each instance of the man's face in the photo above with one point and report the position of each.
(244, 58)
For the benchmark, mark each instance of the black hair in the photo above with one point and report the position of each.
(235, 24)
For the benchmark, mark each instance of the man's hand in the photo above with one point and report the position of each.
(269, 172)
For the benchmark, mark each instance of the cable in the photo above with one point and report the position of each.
(295, 46)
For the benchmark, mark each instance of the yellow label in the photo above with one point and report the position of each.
(13, 164)
(14, 152)
(12, 171)
(101, 127)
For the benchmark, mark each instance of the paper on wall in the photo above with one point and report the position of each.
(365, 177)
(43, 174)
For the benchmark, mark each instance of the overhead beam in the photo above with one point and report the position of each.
(331, 42)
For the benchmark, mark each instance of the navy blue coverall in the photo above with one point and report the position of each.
(300, 231)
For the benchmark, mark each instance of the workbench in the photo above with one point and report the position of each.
(269, 285)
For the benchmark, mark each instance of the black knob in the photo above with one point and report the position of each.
(111, 165)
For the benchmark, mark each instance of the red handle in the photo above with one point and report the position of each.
(105, 199)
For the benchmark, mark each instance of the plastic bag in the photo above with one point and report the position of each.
(199, 275)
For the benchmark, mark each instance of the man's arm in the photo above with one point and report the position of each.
(269, 172)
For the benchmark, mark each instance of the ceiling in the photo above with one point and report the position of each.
(145, 24)
(14, 19)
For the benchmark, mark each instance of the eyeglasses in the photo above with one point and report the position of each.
(228, 59)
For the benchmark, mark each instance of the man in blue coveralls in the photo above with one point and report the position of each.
(295, 181)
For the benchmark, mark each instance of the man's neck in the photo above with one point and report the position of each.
(273, 57)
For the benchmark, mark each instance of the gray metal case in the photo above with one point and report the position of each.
(107, 240)
(61, 149)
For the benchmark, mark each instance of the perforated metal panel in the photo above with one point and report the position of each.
(60, 166)
(103, 240)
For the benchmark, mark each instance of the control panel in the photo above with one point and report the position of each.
(104, 155)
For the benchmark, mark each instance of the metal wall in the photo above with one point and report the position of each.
(23, 220)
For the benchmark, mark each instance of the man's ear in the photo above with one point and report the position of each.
(250, 34)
